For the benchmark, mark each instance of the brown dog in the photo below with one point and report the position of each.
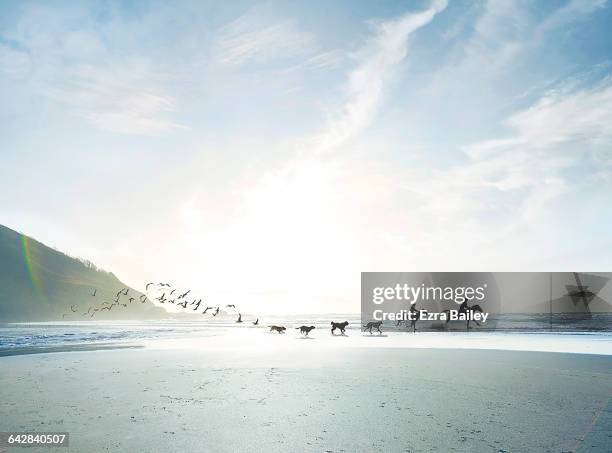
(279, 329)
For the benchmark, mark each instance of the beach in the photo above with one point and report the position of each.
(306, 227)
(249, 390)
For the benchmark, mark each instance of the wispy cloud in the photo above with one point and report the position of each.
(506, 29)
(554, 146)
(584, 116)
(132, 113)
(255, 37)
(122, 104)
(76, 69)
(319, 61)
(365, 85)
(502, 34)
(570, 12)
(127, 99)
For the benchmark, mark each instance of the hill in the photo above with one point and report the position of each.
(38, 283)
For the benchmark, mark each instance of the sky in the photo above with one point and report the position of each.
(267, 153)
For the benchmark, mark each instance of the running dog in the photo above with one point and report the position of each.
(305, 329)
(279, 329)
(373, 325)
(339, 325)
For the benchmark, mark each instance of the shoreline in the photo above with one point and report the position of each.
(255, 340)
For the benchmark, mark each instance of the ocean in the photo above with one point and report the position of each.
(72, 333)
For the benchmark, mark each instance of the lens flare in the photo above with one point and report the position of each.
(33, 269)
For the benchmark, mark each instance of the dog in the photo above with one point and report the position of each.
(373, 325)
(279, 329)
(339, 325)
(305, 329)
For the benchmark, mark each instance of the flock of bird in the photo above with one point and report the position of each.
(166, 294)
(163, 293)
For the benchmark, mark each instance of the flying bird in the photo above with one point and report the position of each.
(184, 294)
(72, 309)
(94, 292)
(256, 322)
(216, 312)
(239, 318)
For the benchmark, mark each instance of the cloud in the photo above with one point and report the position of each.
(126, 99)
(502, 34)
(506, 29)
(319, 61)
(555, 145)
(581, 117)
(253, 37)
(132, 113)
(570, 12)
(378, 60)
(64, 56)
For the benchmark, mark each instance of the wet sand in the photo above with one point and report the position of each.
(66, 348)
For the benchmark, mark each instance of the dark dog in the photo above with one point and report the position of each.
(373, 325)
(305, 329)
(279, 329)
(339, 325)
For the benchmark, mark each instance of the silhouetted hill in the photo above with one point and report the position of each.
(38, 283)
